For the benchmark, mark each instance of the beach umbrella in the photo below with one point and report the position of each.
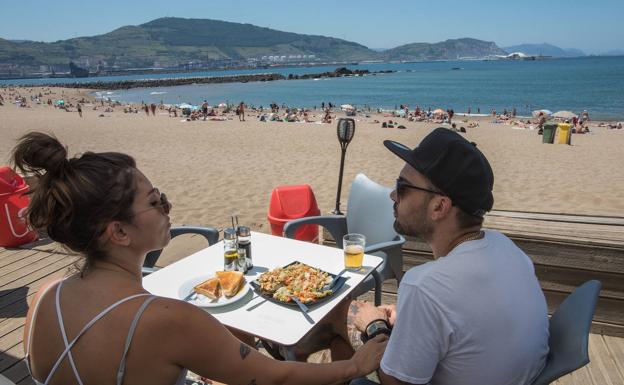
(536, 113)
(222, 105)
(565, 114)
(185, 105)
(60, 102)
(347, 107)
(439, 111)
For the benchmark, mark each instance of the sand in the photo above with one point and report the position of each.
(212, 169)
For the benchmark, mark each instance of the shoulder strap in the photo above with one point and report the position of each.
(85, 328)
(59, 316)
(135, 321)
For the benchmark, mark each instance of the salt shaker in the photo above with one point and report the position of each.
(244, 248)
(230, 250)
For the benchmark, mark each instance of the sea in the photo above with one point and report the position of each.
(595, 84)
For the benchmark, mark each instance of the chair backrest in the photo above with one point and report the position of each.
(369, 210)
(569, 333)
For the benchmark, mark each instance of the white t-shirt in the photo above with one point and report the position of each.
(474, 317)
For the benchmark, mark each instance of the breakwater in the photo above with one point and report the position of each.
(170, 82)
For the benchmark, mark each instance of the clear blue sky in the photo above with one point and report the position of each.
(593, 26)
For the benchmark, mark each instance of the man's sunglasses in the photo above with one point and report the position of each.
(402, 185)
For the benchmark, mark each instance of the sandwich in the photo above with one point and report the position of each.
(231, 282)
(210, 288)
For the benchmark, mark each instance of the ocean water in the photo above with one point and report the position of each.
(595, 84)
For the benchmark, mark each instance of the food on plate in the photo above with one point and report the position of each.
(231, 282)
(298, 279)
(210, 288)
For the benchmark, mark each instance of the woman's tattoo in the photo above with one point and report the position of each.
(244, 352)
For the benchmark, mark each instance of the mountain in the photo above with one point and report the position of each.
(614, 52)
(445, 50)
(545, 49)
(175, 41)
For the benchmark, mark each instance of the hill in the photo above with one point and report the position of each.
(445, 50)
(176, 41)
(545, 49)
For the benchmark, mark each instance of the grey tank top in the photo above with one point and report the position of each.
(68, 345)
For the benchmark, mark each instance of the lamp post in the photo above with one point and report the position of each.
(345, 131)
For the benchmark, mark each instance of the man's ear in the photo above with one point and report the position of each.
(441, 207)
(117, 234)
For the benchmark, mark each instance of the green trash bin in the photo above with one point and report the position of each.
(548, 135)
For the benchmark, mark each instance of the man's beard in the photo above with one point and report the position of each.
(419, 225)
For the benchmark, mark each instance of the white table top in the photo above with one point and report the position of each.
(271, 321)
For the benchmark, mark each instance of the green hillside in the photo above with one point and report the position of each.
(446, 50)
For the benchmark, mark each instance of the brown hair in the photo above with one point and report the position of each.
(75, 199)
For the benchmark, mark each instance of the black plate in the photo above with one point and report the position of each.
(269, 296)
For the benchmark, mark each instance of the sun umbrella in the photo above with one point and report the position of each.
(60, 102)
(347, 107)
(222, 105)
(565, 114)
(536, 113)
(186, 105)
(439, 111)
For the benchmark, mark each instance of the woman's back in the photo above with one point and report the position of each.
(98, 353)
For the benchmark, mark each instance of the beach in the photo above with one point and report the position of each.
(213, 169)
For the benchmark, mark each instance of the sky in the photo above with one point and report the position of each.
(592, 26)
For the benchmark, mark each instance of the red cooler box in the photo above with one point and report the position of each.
(13, 203)
(293, 202)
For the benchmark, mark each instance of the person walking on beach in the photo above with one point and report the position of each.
(241, 112)
(153, 108)
(79, 108)
(103, 207)
(474, 315)
(205, 109)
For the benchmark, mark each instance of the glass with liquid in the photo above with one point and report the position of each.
(230, 250)
(353, 246)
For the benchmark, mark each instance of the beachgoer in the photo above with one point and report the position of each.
(474, 315)
(153, 108)
(79, 108)
(241, 112)
(205, 109)
(101, 206)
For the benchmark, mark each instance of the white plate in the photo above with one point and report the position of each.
(200, 300)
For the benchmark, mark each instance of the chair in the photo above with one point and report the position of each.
(569, 333)
(211, 234)
(369, 212)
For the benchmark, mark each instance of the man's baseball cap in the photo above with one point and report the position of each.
(455, 166)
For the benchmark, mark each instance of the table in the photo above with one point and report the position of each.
(255, 315)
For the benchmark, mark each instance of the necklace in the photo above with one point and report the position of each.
(468, 237)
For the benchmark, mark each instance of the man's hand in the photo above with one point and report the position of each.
(363, 313)
(390, 313)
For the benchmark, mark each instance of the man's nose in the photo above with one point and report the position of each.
(393, 195)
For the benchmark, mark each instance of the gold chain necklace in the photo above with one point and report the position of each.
(470, 237)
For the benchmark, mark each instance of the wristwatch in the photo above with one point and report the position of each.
(376, 327)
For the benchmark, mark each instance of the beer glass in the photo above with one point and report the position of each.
(353, 247)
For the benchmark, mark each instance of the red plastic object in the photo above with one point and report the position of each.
(13, 228)
(293, 202)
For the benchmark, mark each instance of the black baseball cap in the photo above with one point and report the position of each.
(455, 166)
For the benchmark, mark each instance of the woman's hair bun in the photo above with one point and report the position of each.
(37, 151)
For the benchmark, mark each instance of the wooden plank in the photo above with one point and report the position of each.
(9, 297)
(10, 355)
(41, 271)
(12, 339)
(578, 377)
(23, 261)
(602, 362)
(18, 373)
(615, 347)
(571, 218)
(11, 325)
(14, 255)
(33, 267)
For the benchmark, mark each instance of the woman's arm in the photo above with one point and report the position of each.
(197, 341)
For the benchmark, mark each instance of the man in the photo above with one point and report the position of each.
(474, 315)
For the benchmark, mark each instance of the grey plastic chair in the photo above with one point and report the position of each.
(210, 233)
(369, 212)
(569, 333)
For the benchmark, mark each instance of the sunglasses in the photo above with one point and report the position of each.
(163, 204)
(402, 186)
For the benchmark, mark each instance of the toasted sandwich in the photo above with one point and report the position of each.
(231, 282)
(210, 288)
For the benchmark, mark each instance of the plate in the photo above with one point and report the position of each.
(269, 296)
(201, 300)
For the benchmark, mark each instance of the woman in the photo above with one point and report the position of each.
(100, 326)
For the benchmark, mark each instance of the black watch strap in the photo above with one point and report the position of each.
(374, 328)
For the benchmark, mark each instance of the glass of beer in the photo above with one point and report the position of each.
(353, 247)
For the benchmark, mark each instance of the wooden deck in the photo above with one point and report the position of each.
(601, 255)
